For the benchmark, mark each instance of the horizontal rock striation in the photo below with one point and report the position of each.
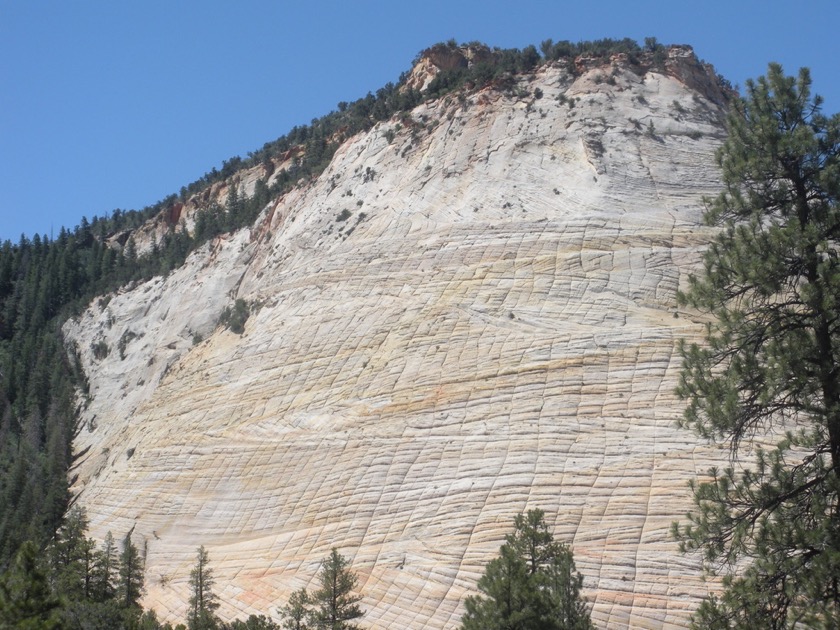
(469, 314)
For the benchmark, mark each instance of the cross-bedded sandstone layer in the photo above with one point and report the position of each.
(470, 313)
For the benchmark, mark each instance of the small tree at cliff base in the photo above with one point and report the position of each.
(767, 380)
(203, 601)
(131, 576)
(335, 605)
(531, 585)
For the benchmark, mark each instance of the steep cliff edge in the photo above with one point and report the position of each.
(469, 313)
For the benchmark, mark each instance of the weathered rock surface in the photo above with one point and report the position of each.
(471, 320)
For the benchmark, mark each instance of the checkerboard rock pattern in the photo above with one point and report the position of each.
(470, 313)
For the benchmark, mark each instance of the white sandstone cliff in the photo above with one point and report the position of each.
(493, 328)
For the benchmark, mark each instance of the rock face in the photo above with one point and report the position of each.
(442, 57)
(472, 319)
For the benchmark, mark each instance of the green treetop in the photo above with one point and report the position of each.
(531, 585)
(335, 606)
(26, 600)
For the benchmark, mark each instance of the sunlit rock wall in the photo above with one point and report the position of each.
(472, 319)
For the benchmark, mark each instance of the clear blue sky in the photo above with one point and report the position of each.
(110, 104)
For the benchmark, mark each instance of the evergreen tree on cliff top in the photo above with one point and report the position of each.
(767, 380)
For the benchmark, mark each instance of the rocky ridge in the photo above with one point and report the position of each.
(470, 313)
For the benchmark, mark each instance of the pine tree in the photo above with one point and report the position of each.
(71, 556)
(131, 580)
(297, 612)
(234, 205)
(562, 585)
(506, 600)
(203, 602)
(106, 570)
(769, 371)
(531, 585)
(334, 604)
(26, 600)
(87, 567)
